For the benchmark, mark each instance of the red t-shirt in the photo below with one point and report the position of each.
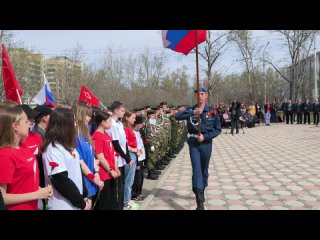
(268, 109)
(19, 170)
(103, 144)
(131, 137)
(33, 142)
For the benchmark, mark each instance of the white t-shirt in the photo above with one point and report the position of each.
(140, 146)
(67, 162)
(116, 132)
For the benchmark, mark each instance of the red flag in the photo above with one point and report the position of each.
(11, 84)
(88, 97)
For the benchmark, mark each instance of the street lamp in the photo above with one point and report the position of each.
(264, 74)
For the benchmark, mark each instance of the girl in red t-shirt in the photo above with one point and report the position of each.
(19, 176)
(105, 154)
(128, 122)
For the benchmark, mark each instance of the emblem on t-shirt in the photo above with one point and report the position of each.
(36, 151)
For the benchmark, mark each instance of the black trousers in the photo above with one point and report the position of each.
(138, 180)
(299, 118)
(306, 115)
(289, 114)
(235, 124)
(107, 199)
(120, 185)
(316, 118)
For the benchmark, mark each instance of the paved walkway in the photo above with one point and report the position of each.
(276, 167)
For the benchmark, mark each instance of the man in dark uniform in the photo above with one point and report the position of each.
(274, 110)
(307, 108)
(299, 108)
(289, 112)
(316, 110)
(235, 115)
(284, 109)
(200, 145)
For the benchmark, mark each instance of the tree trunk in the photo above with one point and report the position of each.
(208, 83)
(250, 86)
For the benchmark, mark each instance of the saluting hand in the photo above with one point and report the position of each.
(197, 111)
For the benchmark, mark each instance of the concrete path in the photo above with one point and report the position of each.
(276, 167)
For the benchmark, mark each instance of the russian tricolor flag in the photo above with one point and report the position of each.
(45, 96)
(182, 40)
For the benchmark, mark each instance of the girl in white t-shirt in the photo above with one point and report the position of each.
(61, 163)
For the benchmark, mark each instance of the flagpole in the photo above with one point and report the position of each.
(19, 96)
(198, 83)
(103, 106)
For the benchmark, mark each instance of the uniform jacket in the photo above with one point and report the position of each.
(210, 122)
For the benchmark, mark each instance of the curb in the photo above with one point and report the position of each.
(158, 185)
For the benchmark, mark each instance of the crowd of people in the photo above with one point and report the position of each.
(238, 115)
(83, 158)
(90, 158)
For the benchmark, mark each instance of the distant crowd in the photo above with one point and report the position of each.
(238, 114)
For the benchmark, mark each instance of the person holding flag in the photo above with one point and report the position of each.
(202, 121)
(200, 138)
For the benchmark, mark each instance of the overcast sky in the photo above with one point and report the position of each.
(94, 42)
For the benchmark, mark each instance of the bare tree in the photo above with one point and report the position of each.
(74, 71)
(243, 40)
(153, 68)
(212, 50)
(299, 43)
(130, 71)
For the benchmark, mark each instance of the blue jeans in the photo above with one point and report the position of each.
(129, 178)
(268, 118)
(200, 157)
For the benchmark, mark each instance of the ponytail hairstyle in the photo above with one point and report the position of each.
(101, 116)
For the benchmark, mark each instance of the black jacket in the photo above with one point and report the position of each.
(307, 107)
(316, 107)
(299, 107)
(235, 110)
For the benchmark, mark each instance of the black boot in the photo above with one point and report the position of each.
(164, 162)
(156, 172)
(200, 200)
(152, 176)
(202, 195)
(159, 166)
